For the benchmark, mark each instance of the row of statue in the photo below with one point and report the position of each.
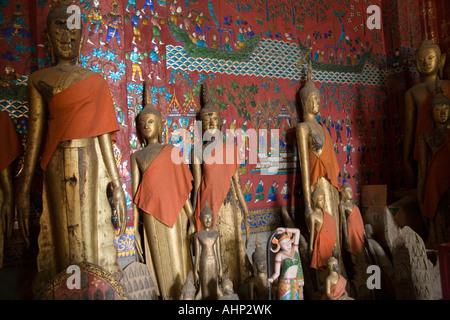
(192, 216)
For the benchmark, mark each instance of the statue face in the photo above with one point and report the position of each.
(149, 126)
(428, 61)
(207, 220)
(348, 193)
(65, 42)
(211, 121)
(313, 103)
(286, 244)
(440, 113)
(320, 201)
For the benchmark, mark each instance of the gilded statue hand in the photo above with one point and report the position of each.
(121, 206)
(23, 216)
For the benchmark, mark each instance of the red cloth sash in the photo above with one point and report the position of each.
(326, 165)
(83, 110)
(9, 142)
(216, 178)
(424, 122)
(324, 242)
(355, 229)
(437, 179)
(165, 186)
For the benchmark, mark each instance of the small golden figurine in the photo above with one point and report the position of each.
(352, 224)
(323, 234)
(208, 263)
(288, 266)
(335, 283)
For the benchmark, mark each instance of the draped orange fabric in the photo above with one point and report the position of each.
(218, 169)
(437, 179)
(355, 229)
(326, 165)
(424, 121)
(338, 289)
(324, 242)
(165, 186)
(83, 110)
(9, 142)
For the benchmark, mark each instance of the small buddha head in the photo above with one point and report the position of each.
(347, 191)
(310, 96)
(64, 38)
(149, 121)
(206, 216)
(209, 114)
(428, 58)
(333, 264)
(318, 198)
(440, 106)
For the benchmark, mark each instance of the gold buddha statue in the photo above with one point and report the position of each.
(318, 163)
(161, 190)
(216, 180)
(71, 114)
(429, 63)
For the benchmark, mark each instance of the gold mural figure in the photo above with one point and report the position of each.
(161, 183)
(429, 63)
(74, 106)
(216, 180)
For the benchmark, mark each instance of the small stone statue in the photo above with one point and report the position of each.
(257, 285)
(208, 262)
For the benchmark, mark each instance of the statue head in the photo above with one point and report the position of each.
(310, 95)
(64, 39)
(333, 264)
(149, 120)
(429, 60)
(206, 216)
(440, 107)
(318, 198)
(209, 114)
(347, 191)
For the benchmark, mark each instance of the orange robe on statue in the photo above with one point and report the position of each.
(324, 242)
(326, 165)
(83, 110)
(165, 187)
(9, 142)
(437, 179)
(216, 178)
(355, 229)
(424, 121)
(338, 289)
